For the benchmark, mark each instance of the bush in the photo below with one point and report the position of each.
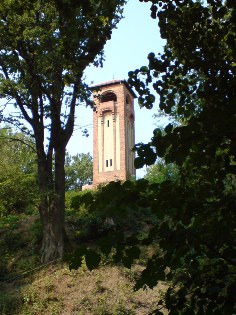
(3, 210)
(83, 198)
(68, 200)
(120, 206)
(9, 221)
(89, 225)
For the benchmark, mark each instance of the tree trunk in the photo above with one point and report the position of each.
(52, 207)
(53, 235)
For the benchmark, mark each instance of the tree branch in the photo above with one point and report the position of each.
(71, 117)
(16, 95)
(21, 141)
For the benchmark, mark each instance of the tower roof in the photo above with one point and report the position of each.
(113, 82)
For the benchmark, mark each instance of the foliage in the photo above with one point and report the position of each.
(116, 213)
(10, 221)
(159, 172)
(194, 255)
(95, 213)
(18, 186)
(78, 171)
(19, 243)
(195, 79)
(45, 48)
(68, 197)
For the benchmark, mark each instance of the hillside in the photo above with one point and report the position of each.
(29, 288)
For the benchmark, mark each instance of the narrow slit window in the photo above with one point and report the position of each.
(106, 163)
(110, 162)
(108, 123)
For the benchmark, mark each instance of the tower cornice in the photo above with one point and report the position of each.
(113, 82)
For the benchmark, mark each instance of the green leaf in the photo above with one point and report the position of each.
(139, 162)
(92, 259)
(118, 256)
(144, 69)
(127, 261)
(168, 128)
(133, 252)
(106, 244)
(75, 259)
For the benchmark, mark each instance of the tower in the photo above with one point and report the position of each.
(113, 132)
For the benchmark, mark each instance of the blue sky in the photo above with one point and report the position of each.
(135, 37)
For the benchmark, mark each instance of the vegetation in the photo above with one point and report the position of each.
(160, 171)
(45, 48)
(78, 171)
(30, 287)
(195, 79)
(178, 227)
(18, 186)
(18, 173)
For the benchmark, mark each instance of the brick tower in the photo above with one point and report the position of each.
(113, 132)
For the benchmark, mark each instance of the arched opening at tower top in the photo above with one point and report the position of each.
(108, 96)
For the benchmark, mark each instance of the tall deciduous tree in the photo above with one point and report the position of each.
(45, 48)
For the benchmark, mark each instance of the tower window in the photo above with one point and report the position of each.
(109, 96)
(128, 101)
(106, 163)
(108, 123)
(110, 162)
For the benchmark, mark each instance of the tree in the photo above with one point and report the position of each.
(45, 48)
(18, 186)
(78, 170)
(159, 172)
(195, 78)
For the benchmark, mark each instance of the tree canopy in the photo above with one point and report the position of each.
(78, 170)
(45, 48)
(160, 171)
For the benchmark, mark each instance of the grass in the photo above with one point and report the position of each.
(106, 290)
(57, 290)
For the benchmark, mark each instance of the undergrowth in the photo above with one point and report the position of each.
(26, 289)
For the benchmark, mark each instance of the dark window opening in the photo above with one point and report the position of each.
(128, 101)
(110, 162)
(106, 163)
(108, 123)
(108, 97)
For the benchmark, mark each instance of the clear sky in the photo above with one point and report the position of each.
(136, 36)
